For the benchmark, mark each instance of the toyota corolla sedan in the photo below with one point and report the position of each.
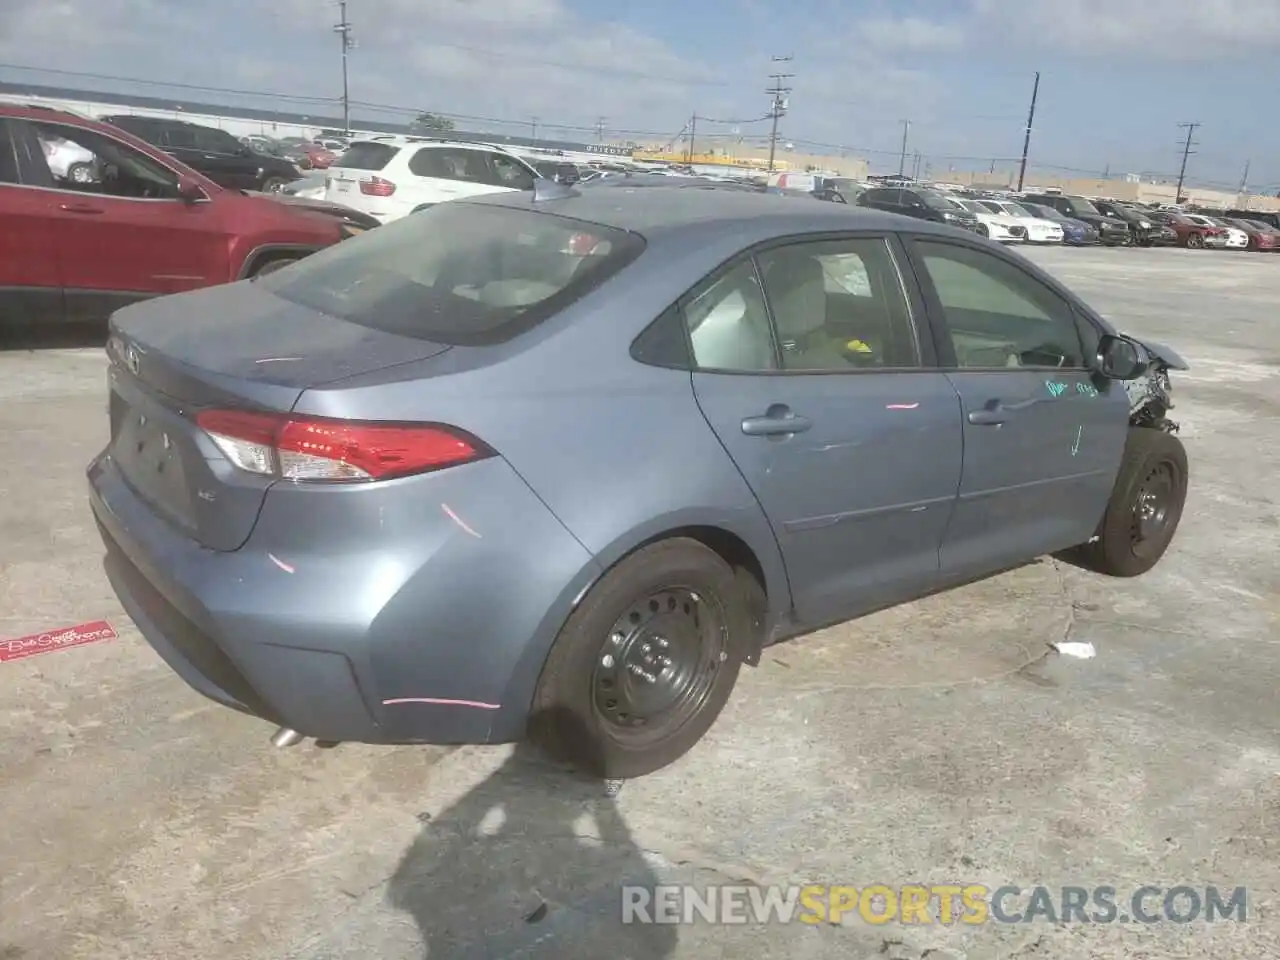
(557, 464)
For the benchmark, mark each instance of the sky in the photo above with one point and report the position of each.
(1117, 76)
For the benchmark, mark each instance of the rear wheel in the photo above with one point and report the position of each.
(1144, 510)
(80, 173)
(273, 184)
(644, 666)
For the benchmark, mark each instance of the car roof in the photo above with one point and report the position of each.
(39, 111)
(675, 208)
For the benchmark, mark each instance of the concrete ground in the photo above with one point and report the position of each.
(937, 743)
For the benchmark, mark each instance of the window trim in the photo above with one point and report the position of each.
(917, 313)
(937, 313)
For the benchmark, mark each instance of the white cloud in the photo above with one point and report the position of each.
(1185, 30)
(508, 59)
(910, 34)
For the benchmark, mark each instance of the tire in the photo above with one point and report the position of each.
(273, 184)
(983, 231)
(271, 266)
(1195, 242)
(590, 709)
(1154, 461)
(80, 173)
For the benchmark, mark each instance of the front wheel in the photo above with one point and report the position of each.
(1195, 242)
(273, 184)
(1145, 507)
(644, 666)
(80, 173)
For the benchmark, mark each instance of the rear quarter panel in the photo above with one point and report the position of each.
(618, 450)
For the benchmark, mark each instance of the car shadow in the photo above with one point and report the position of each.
(530, 863)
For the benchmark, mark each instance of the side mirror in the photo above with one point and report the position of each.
(1120, 358)
(190, 191)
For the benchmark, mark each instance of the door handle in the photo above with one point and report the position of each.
(988, 416)
(778, 420)
(79, 208)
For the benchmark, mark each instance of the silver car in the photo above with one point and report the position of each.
(559, 466)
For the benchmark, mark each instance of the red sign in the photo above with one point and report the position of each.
(60, 639)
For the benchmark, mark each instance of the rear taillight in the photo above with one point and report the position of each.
(377, 187)
(317, 449)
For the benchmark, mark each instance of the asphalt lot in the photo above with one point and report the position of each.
(937, 743)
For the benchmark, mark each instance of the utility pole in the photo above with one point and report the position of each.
(915, 168)
(533, 128)
(1026, 140)
(779, 93)
(1186, 152)
(693, 131)
(1244, 186)
(343, 30)
(600, 129)
(902, 160)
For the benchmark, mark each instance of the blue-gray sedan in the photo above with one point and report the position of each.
(560, 464)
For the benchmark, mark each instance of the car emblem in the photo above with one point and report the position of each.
(132, 358)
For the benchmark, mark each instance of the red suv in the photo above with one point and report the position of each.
(94, 218)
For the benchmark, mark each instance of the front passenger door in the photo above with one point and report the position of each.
(814, 375)
(1043, 436)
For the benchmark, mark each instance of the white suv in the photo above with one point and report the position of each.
(389, 177)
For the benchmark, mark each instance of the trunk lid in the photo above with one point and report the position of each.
(233, 346)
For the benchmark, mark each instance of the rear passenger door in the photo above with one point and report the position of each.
(1043, 436)
(812, 371)
(456, 171)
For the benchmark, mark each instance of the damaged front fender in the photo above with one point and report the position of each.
(1150, 394)
(1162, 354)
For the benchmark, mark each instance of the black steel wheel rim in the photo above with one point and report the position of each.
(658, 663)
(1154, 508)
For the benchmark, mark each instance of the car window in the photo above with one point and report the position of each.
(468, 166)
(728, 323)
(509, 172)
(997, 314)
(183, 138)
(365, 156)
(217, 141)
(458, 273)
(91, 162)
(839, 305)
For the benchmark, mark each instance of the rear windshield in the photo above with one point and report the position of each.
(458, 273)
(367, 156)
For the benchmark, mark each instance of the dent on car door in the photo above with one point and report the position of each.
(812, 372)
(1043, 433)
(30, 283)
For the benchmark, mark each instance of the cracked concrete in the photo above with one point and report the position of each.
(942, 742)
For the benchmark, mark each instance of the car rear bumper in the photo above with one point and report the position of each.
(420, 614)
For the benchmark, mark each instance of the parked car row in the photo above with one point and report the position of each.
(1050, 217)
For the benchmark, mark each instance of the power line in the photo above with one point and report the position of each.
(1186, 152)
(168, 83)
